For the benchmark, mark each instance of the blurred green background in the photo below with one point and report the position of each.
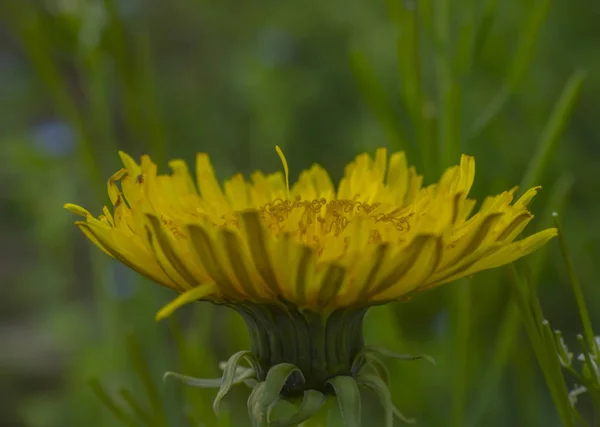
(325, 80)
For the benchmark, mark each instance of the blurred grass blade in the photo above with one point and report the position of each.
(557, 203)
(408, 52)
(112, 406)
(553, 131)
(484, 27)
(518, 69)
(449, 92)
(577, 291)
(377, 98)
(504, 346)
(133, 59)
(460, 382)
(32, 31)
(527, 42)
(137, 409)
(141, 369)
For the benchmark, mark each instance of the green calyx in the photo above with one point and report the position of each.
(320, 346)
(304, 357)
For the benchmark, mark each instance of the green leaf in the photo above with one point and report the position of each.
(312, 401)
(348, 397)
(229, 376)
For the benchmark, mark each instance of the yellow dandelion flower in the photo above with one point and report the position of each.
(380, 236)
(302, 262)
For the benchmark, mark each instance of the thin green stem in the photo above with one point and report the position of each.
(577, 292)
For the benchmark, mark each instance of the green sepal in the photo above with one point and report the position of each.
(383, 393)
(378, 367)
(242, 375)
(384, 352)
(266, 394)
(257, 417)
(312, 401)
(348, 397)
(229, 375)
(276, 379)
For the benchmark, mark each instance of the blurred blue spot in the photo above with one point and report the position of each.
(123, 283)
(54, 138)
(276, 48)
(440, 323)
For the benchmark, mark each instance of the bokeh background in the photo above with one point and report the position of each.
(325, 80)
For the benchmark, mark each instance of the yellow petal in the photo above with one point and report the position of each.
(172, 255)
(187, 297)
(77, 210)
(131, 165)
(207, 181)
(285, 168)
(213, 261)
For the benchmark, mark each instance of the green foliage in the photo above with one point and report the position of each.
(325, 80)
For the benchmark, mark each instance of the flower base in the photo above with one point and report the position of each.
(320, 346)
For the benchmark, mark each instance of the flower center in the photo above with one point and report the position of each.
(316, 221)
(322, 347)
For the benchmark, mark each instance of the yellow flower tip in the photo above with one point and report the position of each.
(76, 209)
(285, 168)
(194, 294)
(130, 164)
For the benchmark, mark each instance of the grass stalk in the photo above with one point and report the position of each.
(584, 315)
(518, 68)
(143, 373)
(553, 130)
